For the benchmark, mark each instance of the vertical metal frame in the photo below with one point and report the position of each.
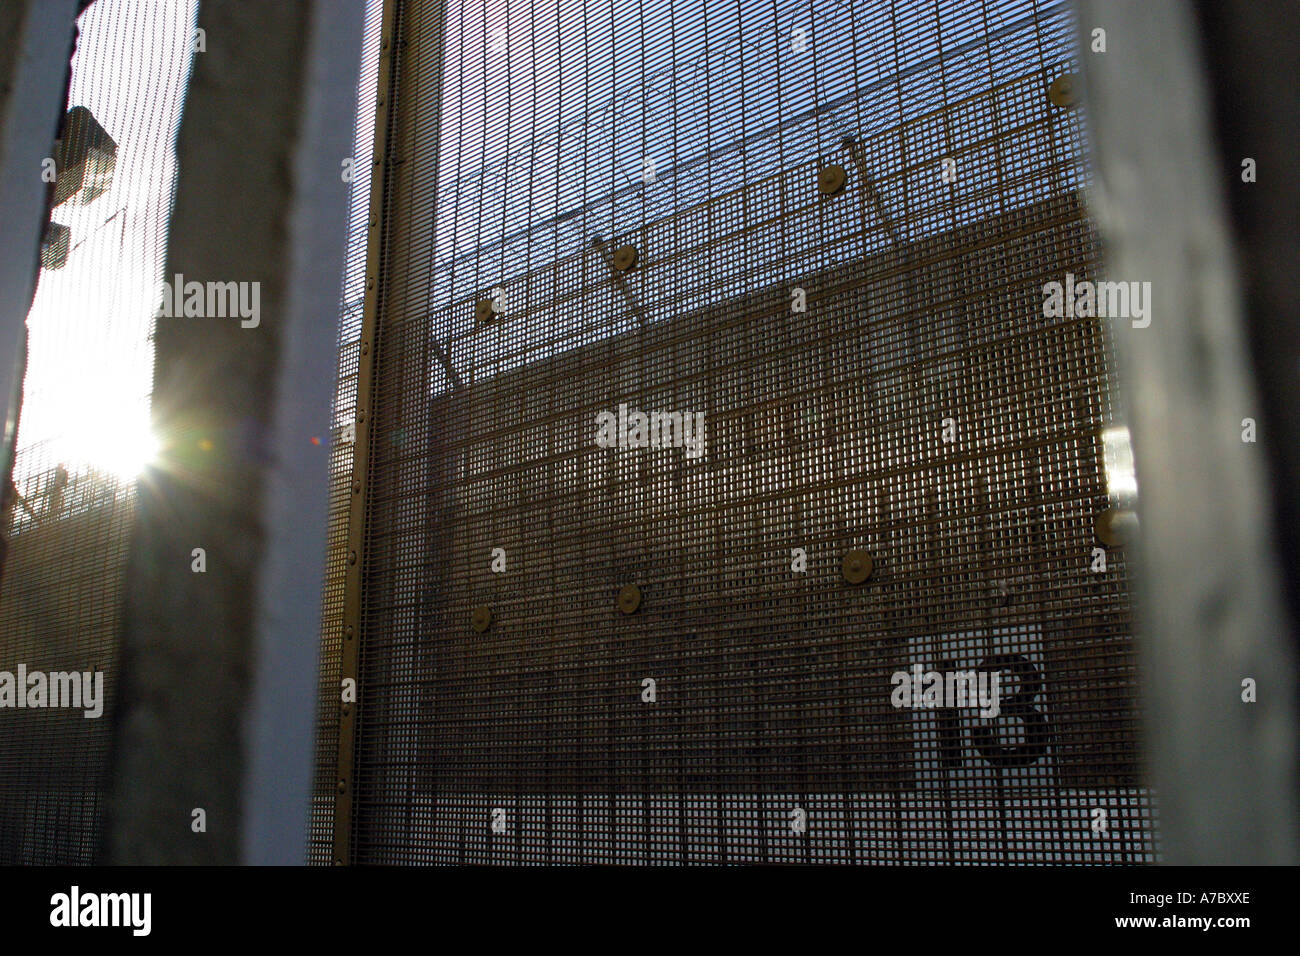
(376, 225)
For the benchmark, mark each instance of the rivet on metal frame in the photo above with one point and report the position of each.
(857, 567)
(1061, 92)
(625, 258)
(629, 599)
(831, 180)
(481, 619)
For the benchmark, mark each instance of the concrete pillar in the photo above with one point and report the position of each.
(1208, 595)
(218, 683)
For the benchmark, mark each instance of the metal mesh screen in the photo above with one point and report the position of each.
(84, 430)
(825, 227)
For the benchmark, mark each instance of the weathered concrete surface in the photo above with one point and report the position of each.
(218, 670)
(1210, 611)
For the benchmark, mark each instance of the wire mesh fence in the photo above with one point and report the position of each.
(84, 430)
(717, 440)
(717, 420)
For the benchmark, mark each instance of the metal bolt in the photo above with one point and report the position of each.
(831, 180)
(625, 258)
(1061, 91)
(857, 566)
(629, 599)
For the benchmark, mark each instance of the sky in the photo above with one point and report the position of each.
(90, 360)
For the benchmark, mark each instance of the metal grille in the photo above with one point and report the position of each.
(84, 430)
(844, 215)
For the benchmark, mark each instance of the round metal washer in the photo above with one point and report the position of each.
(831, 180)
(625, 258)
(857, 567)
(481, 619)
(1061, 91)
(629, 599)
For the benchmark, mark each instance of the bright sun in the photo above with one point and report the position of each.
(121, 448)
